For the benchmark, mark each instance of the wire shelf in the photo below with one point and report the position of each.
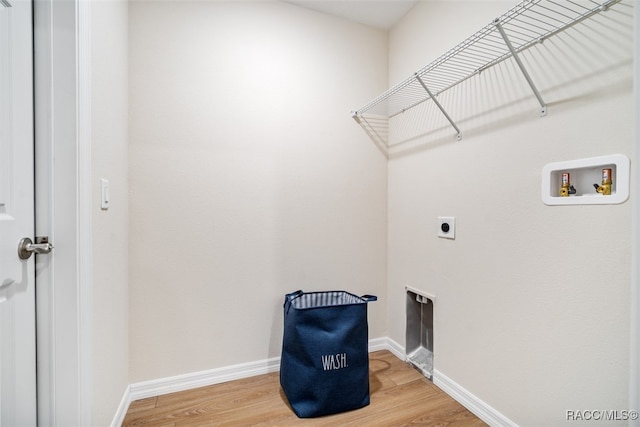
(524, 25)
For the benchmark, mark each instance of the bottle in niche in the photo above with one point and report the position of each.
(566, 188)
(605, 187)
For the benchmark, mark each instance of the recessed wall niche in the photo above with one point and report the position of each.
(585, 176)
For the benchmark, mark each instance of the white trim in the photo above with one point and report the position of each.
(479, 408)
(84, 226)
(42, 25)
(377, 344)
(162, 386)
(396, 349)
(121, 412)
(63, 386)
(63, 211)
(176, 383)
(482, 410)
(167, 385)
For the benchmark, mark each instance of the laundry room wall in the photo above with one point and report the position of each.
(248, 177)
(532, 301)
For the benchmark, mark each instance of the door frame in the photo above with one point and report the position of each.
(63, 211)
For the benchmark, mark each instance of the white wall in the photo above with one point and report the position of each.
(248, 177)
(532, 310)
(109, 126)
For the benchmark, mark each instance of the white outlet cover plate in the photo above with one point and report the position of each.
(451, 234)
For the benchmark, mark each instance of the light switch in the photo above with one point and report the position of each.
(104, 192)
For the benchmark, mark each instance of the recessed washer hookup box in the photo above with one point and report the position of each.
(419, 331)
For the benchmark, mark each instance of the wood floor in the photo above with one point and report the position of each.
(399, 396)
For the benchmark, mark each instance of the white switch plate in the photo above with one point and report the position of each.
(104, 194)
(447, 227)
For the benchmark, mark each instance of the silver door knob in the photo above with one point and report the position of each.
(26, 247)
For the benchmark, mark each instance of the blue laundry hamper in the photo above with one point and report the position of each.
(324, 368)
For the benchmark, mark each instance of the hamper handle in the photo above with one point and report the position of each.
(369, 298)
(290, 297)
(293, 295)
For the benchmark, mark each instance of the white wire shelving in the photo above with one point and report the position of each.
(526, 24)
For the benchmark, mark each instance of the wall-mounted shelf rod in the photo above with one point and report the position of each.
(514, 54)
(525, 25)
(435, 101)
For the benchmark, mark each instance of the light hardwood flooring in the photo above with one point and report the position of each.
(399, 396)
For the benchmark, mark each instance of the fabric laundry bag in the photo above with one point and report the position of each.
(324, 368)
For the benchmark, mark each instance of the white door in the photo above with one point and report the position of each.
(17, 290)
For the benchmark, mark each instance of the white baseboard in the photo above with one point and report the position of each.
(377, 344)
(162, 386)
(118, 419)
(483, 411)
(479, 408)
(395, 348)
(167, 385)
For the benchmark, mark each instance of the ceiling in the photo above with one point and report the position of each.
(382, 14)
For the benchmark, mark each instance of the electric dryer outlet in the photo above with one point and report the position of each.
(447, 227)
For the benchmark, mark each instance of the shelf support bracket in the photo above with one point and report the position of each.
(459, 135)
(371, 131)
(543, 106)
